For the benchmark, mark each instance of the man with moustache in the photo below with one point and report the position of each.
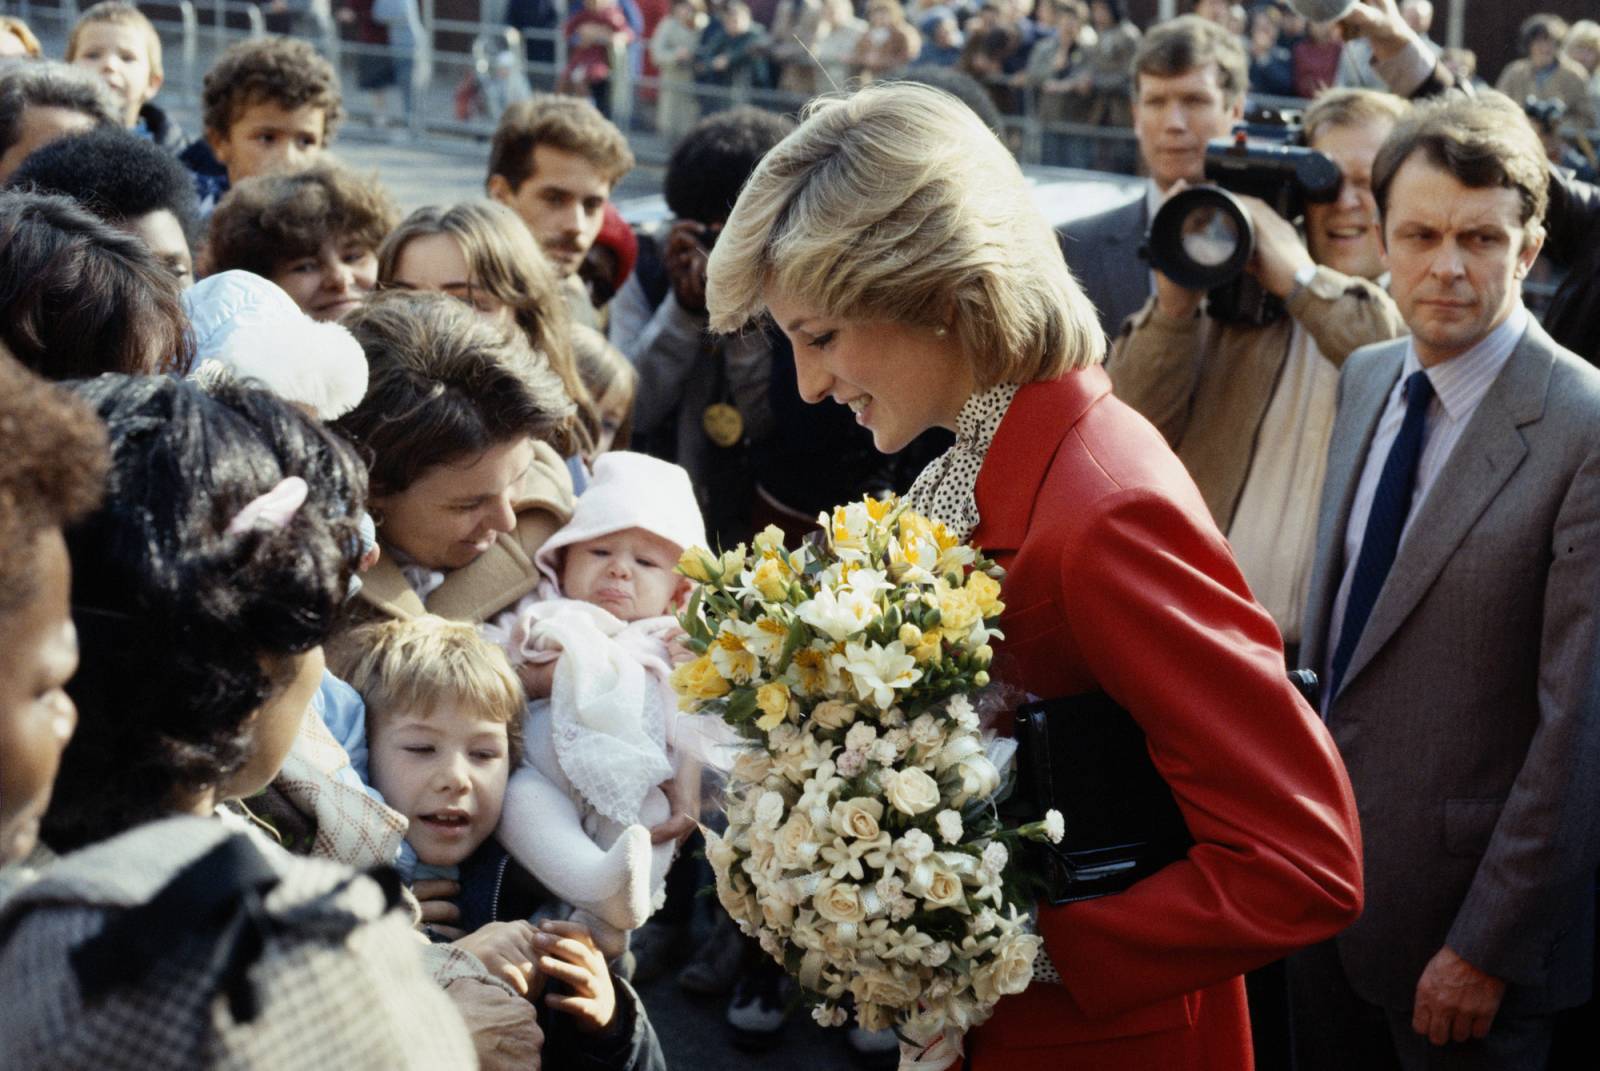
(1453, 618)
(1249, 409)
(554, 161)
(1189, 82)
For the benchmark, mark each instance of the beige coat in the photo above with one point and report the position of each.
(1206, 385)
(1569, 84)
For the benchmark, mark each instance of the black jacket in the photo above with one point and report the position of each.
(163, 129)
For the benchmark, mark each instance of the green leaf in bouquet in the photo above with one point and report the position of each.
(798, 633)
(741, 706)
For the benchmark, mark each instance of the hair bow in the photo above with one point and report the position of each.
(275, 509)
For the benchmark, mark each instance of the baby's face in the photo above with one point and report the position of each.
(628, 573)
(446, 772)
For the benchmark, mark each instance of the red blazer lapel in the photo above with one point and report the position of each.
(1014, 468)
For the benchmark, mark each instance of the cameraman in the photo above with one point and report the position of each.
(1249, 409)
(1572, 222)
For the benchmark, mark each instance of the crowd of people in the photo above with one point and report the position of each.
(338, 544)
(1058, 61)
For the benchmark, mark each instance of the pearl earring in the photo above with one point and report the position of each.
(940, 332)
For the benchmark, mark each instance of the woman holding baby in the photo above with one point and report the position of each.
(891, 237)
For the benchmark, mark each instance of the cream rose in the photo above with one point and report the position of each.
(839, 901)
(858, 817)
(944, 890)
(1011, 969)
(912, 792)
(833, 714)
(892, 990)
(796, 844)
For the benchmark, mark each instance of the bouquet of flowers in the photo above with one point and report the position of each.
(863, 849)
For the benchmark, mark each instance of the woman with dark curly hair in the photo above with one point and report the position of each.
(206, 584)
(52, 466)
(315, 233)
(79, 297)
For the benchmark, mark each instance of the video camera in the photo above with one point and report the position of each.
(1202, 237)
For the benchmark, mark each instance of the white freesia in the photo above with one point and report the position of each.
(1055, 827)
(839, 615)
(877, 671)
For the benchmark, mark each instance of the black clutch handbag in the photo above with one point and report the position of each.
(1086, 757)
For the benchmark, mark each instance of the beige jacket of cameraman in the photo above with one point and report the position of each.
(1206, 385)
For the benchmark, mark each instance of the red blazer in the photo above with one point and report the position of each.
(1119, 580)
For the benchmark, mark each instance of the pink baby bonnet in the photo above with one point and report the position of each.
(629, 490)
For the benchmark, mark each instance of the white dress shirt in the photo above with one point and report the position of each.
(1459, 385)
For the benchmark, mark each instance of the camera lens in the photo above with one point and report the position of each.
(1201, 238)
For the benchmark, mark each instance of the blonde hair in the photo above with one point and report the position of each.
(897, 203)
(504, 261)
(1585, 33)
(1344, 106)
(419, 665)
(118, 13)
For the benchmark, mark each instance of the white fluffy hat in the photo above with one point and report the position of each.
(250, 327)
(630, 490)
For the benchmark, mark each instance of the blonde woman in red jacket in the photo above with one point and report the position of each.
(892, 239)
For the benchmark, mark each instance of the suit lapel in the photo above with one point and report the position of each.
(1347, 454)
(1489, 451)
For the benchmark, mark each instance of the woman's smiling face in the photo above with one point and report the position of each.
(899, 379)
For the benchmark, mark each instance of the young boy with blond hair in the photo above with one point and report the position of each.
(115, 42)
(443, 719)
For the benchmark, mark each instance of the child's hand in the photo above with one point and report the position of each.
(678, 649)
(570, 955)
(506, 949)
(436, 898)
(537, 678)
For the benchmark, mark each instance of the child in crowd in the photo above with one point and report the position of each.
(595, 647)
(268, 104)
(443, 717)
(594, 34)
(443, 730)
(315, 233)
(114, 41)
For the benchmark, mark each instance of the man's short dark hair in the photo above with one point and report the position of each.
(115, 174)
(1483, 141)
(1175, 48)
(50, 85)
(709, 166)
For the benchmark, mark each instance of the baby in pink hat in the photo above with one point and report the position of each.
(578, 811)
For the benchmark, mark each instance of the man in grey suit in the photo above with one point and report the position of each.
(1453, 614)
(1189, 81)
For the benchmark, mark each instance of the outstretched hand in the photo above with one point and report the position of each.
(568, 953)
(506, 949)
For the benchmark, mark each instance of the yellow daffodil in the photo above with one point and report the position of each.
(696, 564)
